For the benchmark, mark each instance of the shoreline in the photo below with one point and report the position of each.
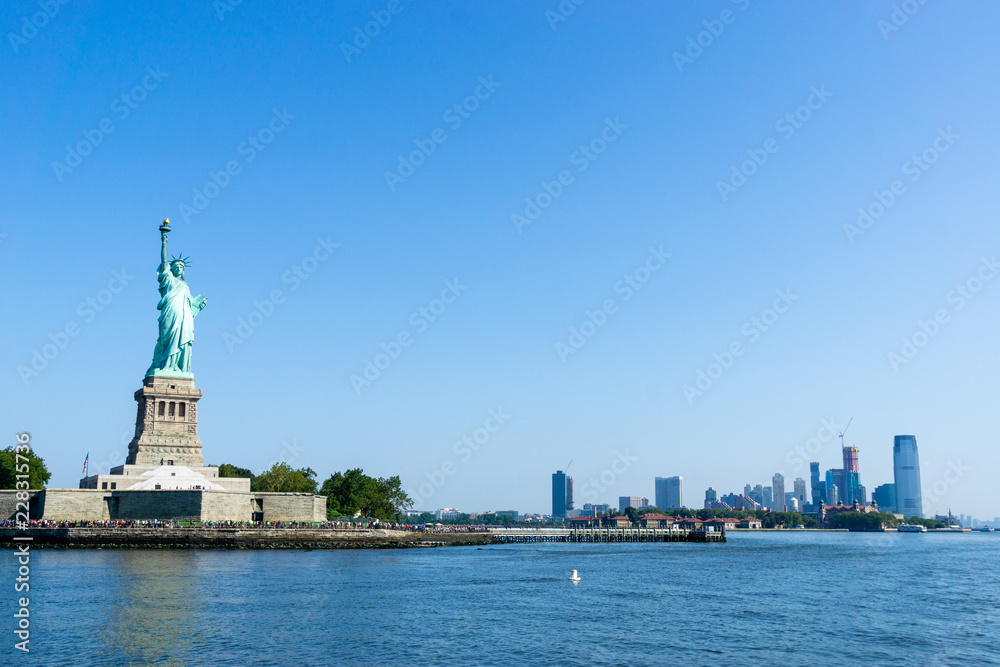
(177, 537)
(237, 538)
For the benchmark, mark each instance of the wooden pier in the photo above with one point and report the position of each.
(523, 536)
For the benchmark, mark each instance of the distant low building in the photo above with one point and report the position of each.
(624, 502)
(620, 521)
(654, 520)
(591, 509)
(583, 522)
(717, 505)
(751, 523)
(740, 502)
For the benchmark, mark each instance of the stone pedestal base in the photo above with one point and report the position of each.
(166, 426)
(137, 478)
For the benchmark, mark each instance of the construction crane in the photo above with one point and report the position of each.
(845, 431)
(566, 469)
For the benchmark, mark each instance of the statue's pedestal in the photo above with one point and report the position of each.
(166, 425)
(165, 453)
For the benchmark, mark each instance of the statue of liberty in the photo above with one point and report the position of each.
(177, 311)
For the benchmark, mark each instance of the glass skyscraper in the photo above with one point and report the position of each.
(835, 479)
(559, 494)
(799, 489)
(778, 492)
(669, 492)
(818, 492)
(906, 471)
(885, 496)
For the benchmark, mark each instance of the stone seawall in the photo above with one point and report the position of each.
(236, 538)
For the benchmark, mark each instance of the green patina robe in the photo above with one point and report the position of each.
(177, 310)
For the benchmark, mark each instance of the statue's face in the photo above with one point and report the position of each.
(177, 269)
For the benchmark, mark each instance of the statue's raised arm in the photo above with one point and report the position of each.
(163, 251)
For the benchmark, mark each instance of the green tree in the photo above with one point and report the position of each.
(491, 519)
(27, 463)
(784, 519)
(354, 492)
(927, 523)
(283, 478)
(229, 470)
(863, 520)
(632, 513)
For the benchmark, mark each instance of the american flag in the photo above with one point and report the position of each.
(85, 464)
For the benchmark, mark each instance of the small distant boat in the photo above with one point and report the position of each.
(573, 576)
(986, 529)
(910, 528)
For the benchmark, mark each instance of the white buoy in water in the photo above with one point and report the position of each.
(573, 576)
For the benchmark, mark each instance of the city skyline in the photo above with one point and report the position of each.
(668, 491)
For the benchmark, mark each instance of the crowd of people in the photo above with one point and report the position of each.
(348, 524)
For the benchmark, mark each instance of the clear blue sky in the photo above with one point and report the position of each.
(674, 130)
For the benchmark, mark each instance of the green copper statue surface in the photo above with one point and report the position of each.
(177, 311)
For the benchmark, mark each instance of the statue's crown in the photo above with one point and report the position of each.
(186, 261)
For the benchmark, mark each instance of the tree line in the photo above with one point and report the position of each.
(348, 494)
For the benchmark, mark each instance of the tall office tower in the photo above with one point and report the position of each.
(862, 495)
(851, 459)
(747, 490)
(660, 492)
(799, 489)
(675, 492)
(822, 495)
(906, 473)
(632, 501)
(569, 493)
(833, 493)
(559, 494)
(669, 493)
(710, 497)
(814, 483)
(852, 488)
(885, 496)
(778, 485)
(852, 476)
(767, 497)
(835, 477)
